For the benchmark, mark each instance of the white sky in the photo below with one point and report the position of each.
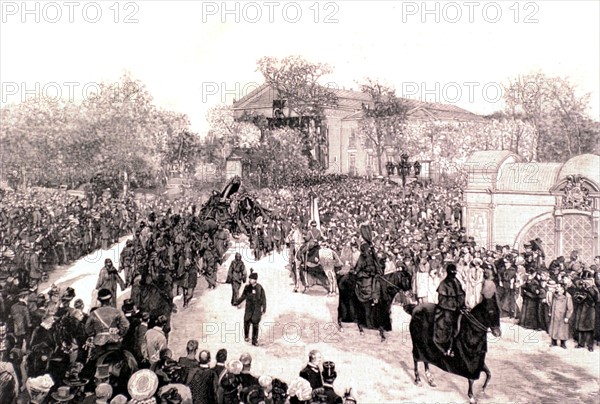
(185, 55)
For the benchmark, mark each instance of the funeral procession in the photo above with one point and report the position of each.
(333, 202)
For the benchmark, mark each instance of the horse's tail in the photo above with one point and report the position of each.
(409, 308)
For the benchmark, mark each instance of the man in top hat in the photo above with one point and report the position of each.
(329, 376)
(108, 279)
(106, 324)
(256, 306)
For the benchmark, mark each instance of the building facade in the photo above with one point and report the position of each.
(344, 149)
(510, 202)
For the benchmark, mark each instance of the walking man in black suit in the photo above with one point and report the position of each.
(256, 306)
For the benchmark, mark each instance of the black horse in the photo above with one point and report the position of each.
(366, 315)
(470, 343)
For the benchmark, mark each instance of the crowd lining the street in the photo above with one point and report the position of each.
(418, 229)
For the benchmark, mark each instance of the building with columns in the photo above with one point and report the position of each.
(509, 201)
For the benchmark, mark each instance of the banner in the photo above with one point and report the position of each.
(314, 209)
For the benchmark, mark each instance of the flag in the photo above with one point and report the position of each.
(314, 209)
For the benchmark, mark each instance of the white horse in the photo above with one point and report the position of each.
(321, 273)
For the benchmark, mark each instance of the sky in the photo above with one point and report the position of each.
(194, 55)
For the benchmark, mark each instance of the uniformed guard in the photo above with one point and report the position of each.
(106, 325)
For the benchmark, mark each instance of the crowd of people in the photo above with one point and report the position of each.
(420, 229)
(53, 347)
(43, 228)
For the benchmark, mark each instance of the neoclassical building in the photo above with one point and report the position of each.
(342, 150)
(509, 201)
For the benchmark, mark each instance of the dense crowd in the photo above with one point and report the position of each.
(420, 229)
(52, 347)
(43, 228)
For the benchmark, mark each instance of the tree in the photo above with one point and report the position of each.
(227, 133)
(183, 150)
(297, 83)
(384, 119)
(556, 112)
(115, 136)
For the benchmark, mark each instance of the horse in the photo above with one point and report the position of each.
(377, 316)
(470, 342)
(320, 272)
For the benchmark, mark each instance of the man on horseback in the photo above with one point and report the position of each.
(310, 248)
(451, 299)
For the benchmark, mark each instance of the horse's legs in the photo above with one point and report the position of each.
(428, 375)
(471, 396)
(488, 376)
(360, 328)
(339, 322)
(417, 377)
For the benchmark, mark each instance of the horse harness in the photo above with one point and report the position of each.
(476, 323)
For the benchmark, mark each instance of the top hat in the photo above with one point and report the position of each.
(63, 394)
(142, 385)
(104, 295)
(254, 276)
(329, 372)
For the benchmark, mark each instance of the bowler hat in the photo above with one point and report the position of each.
(104, 295)
(69, 294)
(128, 306)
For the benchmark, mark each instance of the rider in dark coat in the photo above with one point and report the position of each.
(451, 298)
(367, 267)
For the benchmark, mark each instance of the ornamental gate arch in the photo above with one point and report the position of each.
(545, 229)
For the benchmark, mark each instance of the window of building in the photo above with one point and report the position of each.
(352, 140)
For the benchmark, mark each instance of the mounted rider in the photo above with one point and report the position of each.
(451, 300)
(368, 267)
(312, 238)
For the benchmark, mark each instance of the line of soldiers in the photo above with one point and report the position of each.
(48, 230)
